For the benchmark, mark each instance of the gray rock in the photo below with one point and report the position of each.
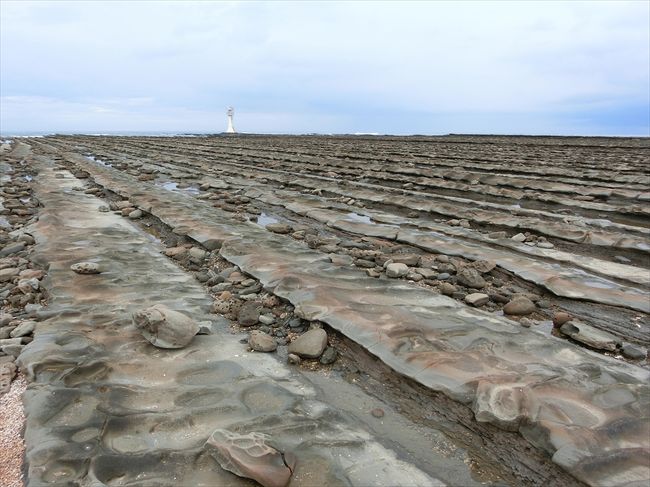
(249, 314)
(545, 245)
(497, 235)
(198, 254)
(281, 228)
(499, 298)
(395, 270)
(293, 359)
(519, 306)
(164, 327)
(443, 276)
(12, 249)
(590, 336)
(8, 273)
(135, 214)
(329, 356)
(520, 237)
(86, 268)
(447, 289)
(310, 345)
(267, 319)
(24, 329)
(470, 277)
(411, 260)
(632, 352)
(261, 342)
(442, 258)
(477, 299)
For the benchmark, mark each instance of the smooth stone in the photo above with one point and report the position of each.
(443, 276)
(198, 253)
(520, 237)
(497, 235)
(267, 319)
(293, 359)
(519, 306)
(12, 249)
(164, 327)
(250, 456)
(281, 228)
(477, 299)
(134, 215)
(545, 245)
(561, 318)
(395, 270)
(442, 258)
(499, 298)
(86, 268)
(24, 329)
(411, 260)
(377, 413)
(310, 345)
(447, 289)
(470, 277)
(8, 273)
(261, 342)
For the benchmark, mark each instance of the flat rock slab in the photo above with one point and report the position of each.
(105, 404)
(511, 376)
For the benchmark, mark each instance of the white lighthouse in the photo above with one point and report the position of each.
(231, 129)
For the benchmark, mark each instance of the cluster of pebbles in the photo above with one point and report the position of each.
(21, 290)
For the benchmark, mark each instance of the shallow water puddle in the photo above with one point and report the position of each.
(355, 217)
(263, 220)
(98, 161)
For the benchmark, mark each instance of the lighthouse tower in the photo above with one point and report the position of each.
(230, 129)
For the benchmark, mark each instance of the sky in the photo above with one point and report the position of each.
(552, 67)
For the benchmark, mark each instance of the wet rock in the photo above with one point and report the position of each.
(24, 329)
(477, 299)
(590, 336)
(249, 314)
(86, 268)
(261, 342)
(250, 456)
(447, 289)
(519, 306)
(329, 356)
(281, 228)
(632, 352)
(484, 266)
(395, 270)
(470, 277)
(310, 345)
(164, 327)
(561, 318)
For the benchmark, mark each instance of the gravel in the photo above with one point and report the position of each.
(12, 422)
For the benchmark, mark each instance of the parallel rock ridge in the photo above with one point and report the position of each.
(589, 411)
(106, 407)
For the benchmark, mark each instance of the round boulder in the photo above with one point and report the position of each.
(164, 327)
(519, 306)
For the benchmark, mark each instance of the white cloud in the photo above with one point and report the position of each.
(326, 63)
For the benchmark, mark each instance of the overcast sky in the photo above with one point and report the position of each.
(287, 67)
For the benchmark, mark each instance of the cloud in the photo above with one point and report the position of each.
(399, 67)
